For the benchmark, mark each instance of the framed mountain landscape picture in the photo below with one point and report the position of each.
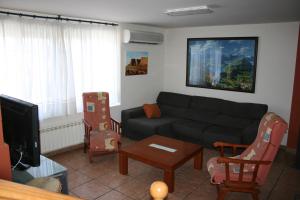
(222, 63)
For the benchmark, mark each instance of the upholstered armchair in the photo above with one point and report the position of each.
(102, 133)
(246, 172)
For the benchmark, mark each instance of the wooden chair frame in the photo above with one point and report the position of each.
(239, 185)
(116, 126)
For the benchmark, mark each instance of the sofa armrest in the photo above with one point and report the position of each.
(250, 132)
(128, 114)
(132, 113)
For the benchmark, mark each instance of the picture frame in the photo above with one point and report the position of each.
(225, 63)
(136, 63)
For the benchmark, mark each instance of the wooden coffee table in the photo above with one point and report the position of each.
(163, 159)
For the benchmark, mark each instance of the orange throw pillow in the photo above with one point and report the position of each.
(152, 111)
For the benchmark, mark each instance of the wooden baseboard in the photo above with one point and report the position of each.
(63, 150)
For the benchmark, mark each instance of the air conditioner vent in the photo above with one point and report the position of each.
(131, 36)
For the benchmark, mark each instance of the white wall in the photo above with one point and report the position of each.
(139, 89)
(275, 63)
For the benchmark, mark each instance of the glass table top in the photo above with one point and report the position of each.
(47, 168)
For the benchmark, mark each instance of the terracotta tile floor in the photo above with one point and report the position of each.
(102, 181)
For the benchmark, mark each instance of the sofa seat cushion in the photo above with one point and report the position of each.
(221, 133)
(229, 121)
(148, 126)
(189, 129)
(165, 130)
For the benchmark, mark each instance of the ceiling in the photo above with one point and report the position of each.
(150, 12)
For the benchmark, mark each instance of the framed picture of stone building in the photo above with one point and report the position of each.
(222, 63)
(136, 63)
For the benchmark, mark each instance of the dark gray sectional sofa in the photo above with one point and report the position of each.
(197, 119)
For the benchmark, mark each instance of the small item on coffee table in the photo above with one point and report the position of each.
(151, 111)
(163, 148)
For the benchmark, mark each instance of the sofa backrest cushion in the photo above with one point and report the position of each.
(244, 110)
(211, 110)
(172, 111)
(206, 104)
(173, 99)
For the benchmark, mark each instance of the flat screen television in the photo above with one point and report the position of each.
(21, 131)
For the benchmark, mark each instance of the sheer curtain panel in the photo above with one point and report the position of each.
(51, 63)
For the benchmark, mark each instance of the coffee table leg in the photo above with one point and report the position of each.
(198, 160)
(123, 163)
(169, 179)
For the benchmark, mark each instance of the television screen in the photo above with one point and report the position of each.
(21, 131)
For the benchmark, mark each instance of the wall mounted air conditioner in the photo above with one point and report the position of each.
(131, 36)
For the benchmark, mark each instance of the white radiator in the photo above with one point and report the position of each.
(61, 135)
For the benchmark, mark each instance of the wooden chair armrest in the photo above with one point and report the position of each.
(240, 161)
(225, 144)
(87, 132)
(241, 172)
(222, 145)
(87, 126)
(114, 121)
(116, 126)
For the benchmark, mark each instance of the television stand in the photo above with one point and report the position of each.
(47, 168)
(22, 167)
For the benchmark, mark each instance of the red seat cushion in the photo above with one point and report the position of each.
(217, 171)
(104, 140)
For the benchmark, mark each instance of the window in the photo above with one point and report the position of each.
(51, 63)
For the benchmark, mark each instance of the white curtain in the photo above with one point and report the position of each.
(51, 63)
